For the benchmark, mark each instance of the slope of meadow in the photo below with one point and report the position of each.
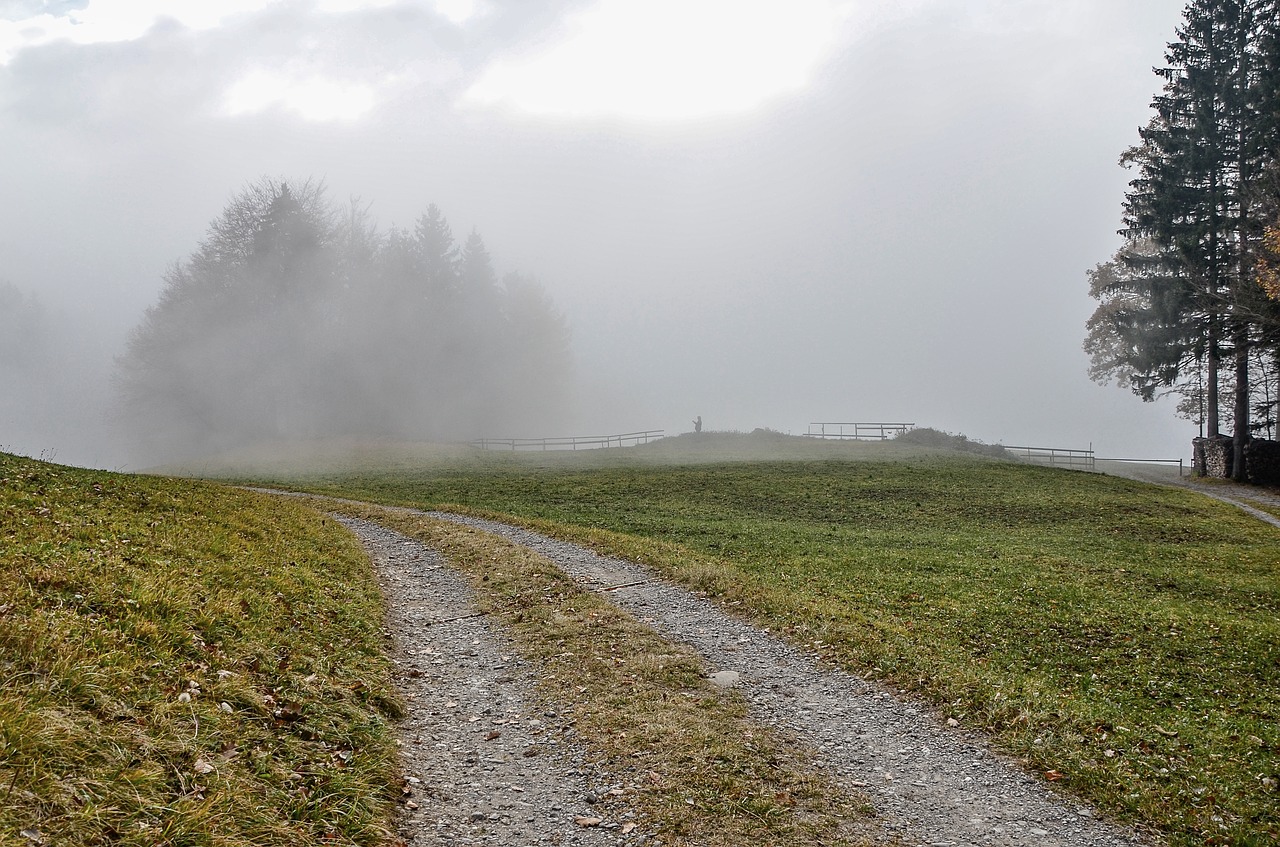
(182, 663)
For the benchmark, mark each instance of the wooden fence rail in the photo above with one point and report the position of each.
(857, 431)
(573, 442)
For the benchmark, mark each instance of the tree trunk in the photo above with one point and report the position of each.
(1240, 423)
(1211, 378)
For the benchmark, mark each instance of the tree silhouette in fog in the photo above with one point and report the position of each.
(293, 320)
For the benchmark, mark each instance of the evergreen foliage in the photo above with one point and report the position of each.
(295, 320)
(1183, 306)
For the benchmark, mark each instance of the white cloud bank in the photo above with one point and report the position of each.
(312, 97)
(107, 21)
(667, 59)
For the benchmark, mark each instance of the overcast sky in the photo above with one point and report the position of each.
(763, 213)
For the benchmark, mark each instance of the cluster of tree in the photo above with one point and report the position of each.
(1189, 303)
(298, 320)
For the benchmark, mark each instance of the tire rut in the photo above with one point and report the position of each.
(485, 763)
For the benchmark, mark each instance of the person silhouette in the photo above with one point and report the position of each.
(697, 424)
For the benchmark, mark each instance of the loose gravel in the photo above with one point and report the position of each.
(487, 765)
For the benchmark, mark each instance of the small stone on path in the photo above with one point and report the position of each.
(724, 679)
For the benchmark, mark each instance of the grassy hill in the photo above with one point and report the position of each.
(1119, 638)
(186, 664)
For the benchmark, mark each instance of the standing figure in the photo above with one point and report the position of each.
(697, 424)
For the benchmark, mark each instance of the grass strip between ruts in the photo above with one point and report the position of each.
(701, 772)
(186, 664)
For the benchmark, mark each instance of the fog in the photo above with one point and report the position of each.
(764, 214)
(298, 321)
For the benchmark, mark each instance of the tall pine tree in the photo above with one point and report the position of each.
(1194, 200)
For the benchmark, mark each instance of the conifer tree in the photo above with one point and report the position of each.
(1195, 201)
(290, 322)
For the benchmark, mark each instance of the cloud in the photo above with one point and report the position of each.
(18, 10)
(25, 25)
(107, 21)
(312, 97)
(666, 59)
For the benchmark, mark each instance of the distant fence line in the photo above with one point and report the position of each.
(1179, 462)
(573, 442)
(857, 431)
(1054, 457)
(1058, 457)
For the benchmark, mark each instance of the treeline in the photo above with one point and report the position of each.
(299, 320)
(1189, 304)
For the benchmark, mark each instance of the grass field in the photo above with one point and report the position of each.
(183, 664)
(1122, 639)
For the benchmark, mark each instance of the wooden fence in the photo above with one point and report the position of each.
(857, 431)
(573, 442)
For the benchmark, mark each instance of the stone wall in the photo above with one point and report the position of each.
(1213, 456)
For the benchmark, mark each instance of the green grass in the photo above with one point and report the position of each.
(1121, 638)
(183, 664)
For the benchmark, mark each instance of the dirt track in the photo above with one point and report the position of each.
(470, 723)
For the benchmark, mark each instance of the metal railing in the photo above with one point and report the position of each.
(1179, 462)
(857, 431)
(1054, 457)
(573, 442)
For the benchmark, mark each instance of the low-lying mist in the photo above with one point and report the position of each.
(317, 465)
(298, 320)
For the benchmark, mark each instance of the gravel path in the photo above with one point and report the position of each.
(485, 765)
(472, 725)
